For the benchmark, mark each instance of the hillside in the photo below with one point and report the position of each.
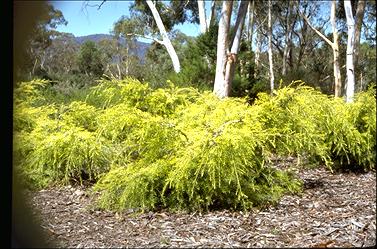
(141, 47)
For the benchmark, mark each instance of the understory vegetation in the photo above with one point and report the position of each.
(181, 148)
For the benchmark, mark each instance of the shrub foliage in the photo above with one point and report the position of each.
(183, 149)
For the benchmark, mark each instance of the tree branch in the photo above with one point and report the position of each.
(95, 5)
(146, 37)
(315, 30)
(99, 7)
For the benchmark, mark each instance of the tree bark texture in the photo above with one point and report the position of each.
(350, 85)
(257, 53)
(211, 17)
(335, 48)
(272, 78)
(222, 47)
(232, 57)
(358, 24)
(250, 23)
(287, 39)
(202, 17)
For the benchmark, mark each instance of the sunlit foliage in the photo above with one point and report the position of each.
(180, 148)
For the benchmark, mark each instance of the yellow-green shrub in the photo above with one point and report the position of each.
(80, 114)
(166, 101)
(178, 148)
(137, 185)
(218, 161)
(65, 155)
(324, 128)
(351, 132)
(112, 92)
(30, 92)
(133, 93)
(134, 134)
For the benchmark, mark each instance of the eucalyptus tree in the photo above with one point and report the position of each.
(220, 89)
(358, 8)
(359, 16)
(165, 38)
(61, 54)
(202, 16)
(290, 21)
(334, 45)
(249, 23)
(236, 41)
(159, 18)
(113, 57)
(270, 60)
(350, 85)
(41, 37)
(227, 49)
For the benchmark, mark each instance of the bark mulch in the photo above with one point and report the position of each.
(335, 210)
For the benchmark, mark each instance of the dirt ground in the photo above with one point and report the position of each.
(335, 210)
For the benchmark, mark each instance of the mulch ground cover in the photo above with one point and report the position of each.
(334, 210)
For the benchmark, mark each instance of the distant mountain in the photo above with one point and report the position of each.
(140, 51)
(95, 38)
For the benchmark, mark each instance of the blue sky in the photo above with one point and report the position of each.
(86, 21)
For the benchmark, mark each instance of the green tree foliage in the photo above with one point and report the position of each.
(198, 61)
(90, 59)
(40, 39)
(172, 13)
(157, 63)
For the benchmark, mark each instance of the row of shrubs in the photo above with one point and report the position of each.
(183, 149)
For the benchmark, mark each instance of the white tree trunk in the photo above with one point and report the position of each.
(232, 57)
(334, 45)
(350, 42)
(257, 53)
(250, 23)
(236, 39)
(272, 78)
(211, 17)
(202, 16)
(166, 41)
(222, 47)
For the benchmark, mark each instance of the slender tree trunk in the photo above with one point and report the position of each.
(222, 47)
(127, 60)
(350, 42)
(211, 17)
(287, 40)
(257, 53)
(250, 23)
(270, 47)
(358, 24)
(334, 45)
(119, 73)
(232, 57)
(34, 66)
(335, 48)
(361, 82)
(202, 16)
(166, 41)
